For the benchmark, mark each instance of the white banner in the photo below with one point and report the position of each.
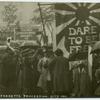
(90, 60)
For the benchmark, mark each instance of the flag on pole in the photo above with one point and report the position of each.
(76, 26)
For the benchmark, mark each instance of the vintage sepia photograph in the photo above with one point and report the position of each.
(49, 50)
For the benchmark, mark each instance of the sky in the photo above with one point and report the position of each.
(24, 13)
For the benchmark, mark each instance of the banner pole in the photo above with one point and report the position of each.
(44, 35)
(90, 60)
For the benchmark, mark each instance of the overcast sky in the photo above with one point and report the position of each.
(24, 13)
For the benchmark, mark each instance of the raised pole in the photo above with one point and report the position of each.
(44, 35)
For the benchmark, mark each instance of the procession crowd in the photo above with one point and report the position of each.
(45, 72)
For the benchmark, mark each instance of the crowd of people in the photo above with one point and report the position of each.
(44, 72)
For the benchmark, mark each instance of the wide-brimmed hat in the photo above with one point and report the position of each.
(59, 52)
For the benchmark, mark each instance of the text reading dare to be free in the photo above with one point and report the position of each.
(80, 37)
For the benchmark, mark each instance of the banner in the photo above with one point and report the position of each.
(79, 37)
(77, 26)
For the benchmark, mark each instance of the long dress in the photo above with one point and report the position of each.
(44, 73)
(61, 77)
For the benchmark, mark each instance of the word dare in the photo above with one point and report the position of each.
(80, 37)
(82, 30)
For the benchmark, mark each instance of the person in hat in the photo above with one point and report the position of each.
(60, 74)
(76, 79)
(96, 74)
(8, 44)
(43, 70)
(28, 75)
(8, 41)
(85, 83)
(8, 70)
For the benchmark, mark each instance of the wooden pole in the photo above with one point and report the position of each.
(44, 35)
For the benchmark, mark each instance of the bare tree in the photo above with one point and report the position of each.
(10, 17)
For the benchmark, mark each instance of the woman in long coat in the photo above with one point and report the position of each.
(28, 74)
(8, 70)
(44, 73)
(85, 83)
(76, 80)
(60, 74)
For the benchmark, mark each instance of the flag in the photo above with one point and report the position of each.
(73, 17)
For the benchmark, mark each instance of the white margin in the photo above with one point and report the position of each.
(60, 1)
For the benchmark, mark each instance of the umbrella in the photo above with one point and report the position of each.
(96, 47)
(29, 44)
(28, 48)
(15, 44)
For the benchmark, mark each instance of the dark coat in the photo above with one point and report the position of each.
(85, 83)
(8, 70)
(60, 74)
(28, 76)
(76, 81)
